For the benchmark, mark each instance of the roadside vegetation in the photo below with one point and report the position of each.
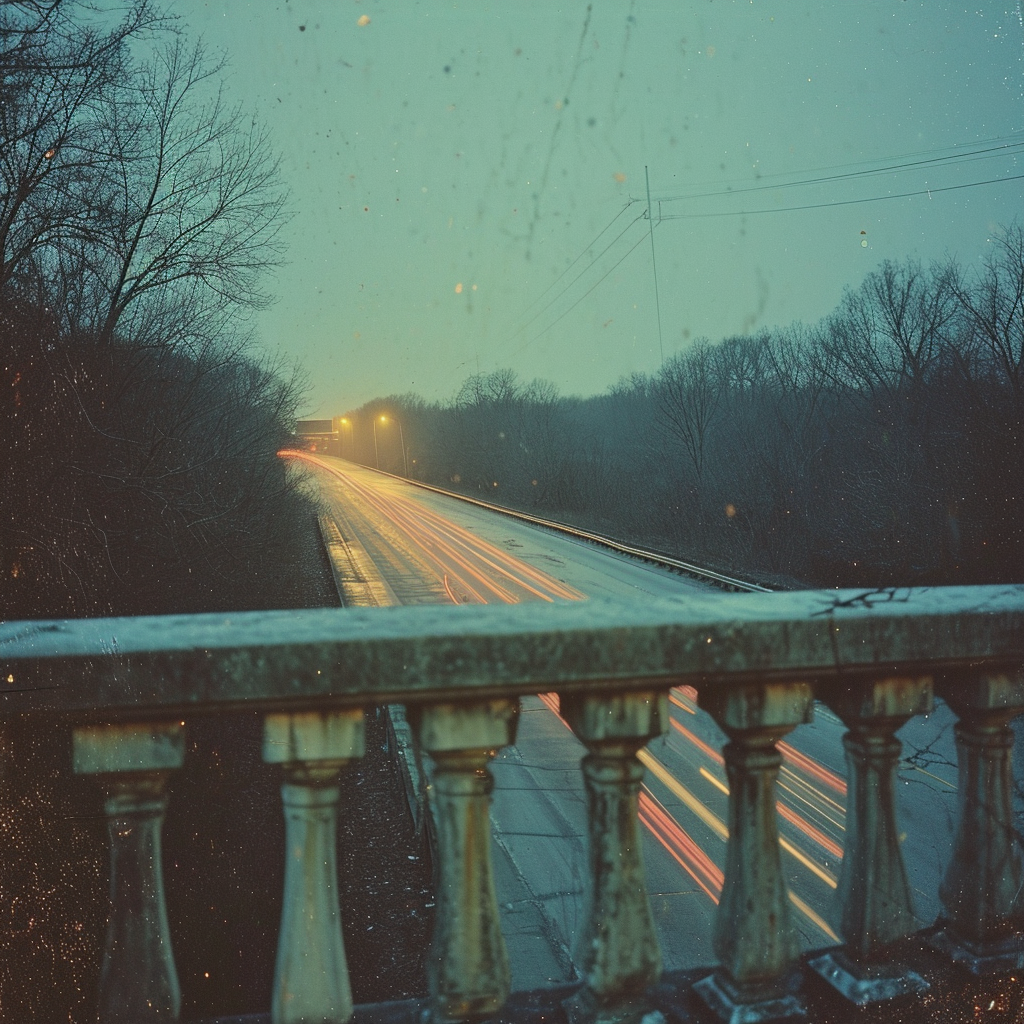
(880, 446)
(139, 217)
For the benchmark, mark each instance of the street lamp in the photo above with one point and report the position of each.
(376, 457)
(405, 454)
(346, 422)
(401, 437)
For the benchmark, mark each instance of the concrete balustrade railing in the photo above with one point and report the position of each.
(758, 662)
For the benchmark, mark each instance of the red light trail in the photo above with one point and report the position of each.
(470, 569)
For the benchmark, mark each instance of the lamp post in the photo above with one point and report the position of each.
(345, 422)
(376, 457)
(405, 454)
(401, 437)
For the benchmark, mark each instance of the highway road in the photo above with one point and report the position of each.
(399, 544)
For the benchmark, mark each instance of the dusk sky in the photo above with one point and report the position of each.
(468, 179)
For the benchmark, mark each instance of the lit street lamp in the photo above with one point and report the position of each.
(401, 437)
(346, 422)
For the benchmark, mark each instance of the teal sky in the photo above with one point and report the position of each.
(450, 161)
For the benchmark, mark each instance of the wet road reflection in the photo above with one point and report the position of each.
(425, 557)
(428, 557)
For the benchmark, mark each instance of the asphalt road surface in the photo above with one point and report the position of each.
(404, 545)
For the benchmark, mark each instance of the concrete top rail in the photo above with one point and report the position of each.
(166, 665)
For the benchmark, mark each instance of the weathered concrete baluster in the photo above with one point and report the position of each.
(754, 938)
(981, 890)
(132, 762)
(621, 953)
(311, 976)
(873, 897)
(468, 968)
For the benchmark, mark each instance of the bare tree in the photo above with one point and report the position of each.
(56, 72)
(890, 331)
(138, 211)
(189, 208)
(994, 303)
(689, 388)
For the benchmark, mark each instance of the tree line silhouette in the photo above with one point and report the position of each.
(879, 446)
(139, 430)
(139, 214)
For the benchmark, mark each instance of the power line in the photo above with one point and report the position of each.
(992, 147)
(840, 202)
(587, 249)
(563, 315)
(589, 266)
(735, 213)
(654, 262)
(987, 149)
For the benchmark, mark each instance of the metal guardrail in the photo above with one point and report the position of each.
(687, 568)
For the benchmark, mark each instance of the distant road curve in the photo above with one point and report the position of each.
(687, 568)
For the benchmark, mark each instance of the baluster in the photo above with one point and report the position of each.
(621, 952)
(873, 896)
(754, 938)
(132, 762)
(311, 975)
(980, 892)
(467, 970)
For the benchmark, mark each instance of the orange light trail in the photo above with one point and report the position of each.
(812, 767)
(681, 703)
(553, 702)
(789, 753)
(821, 795)
(412, 524)
(809, 830)
(457, 543)
(699, 743)
(790, 815)
(683, 850)
(429, 544)
(696, 863)
(459, 556)
(808, 765)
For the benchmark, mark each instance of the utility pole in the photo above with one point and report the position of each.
(405, 453)
(657, 301)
